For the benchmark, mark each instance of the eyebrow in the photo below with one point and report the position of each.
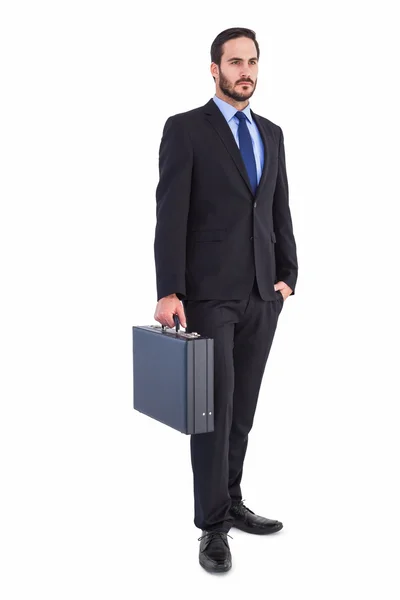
(236, 58)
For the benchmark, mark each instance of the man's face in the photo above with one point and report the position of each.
(237, 75)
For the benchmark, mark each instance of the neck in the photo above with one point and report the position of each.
(238, 104)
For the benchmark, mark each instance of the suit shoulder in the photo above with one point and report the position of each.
(273, 127)
(187, 122)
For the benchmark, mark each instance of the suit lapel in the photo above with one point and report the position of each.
(267, 154)
(218, 121)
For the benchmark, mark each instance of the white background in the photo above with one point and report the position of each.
(96, 498)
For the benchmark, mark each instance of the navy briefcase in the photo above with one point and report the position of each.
(173, 377)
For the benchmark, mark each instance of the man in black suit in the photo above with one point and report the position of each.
(224, 249)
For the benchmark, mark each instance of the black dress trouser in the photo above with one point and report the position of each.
(243, 331)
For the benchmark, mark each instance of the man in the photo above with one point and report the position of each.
(224, 248)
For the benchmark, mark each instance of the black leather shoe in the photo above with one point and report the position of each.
(214, 554)
(246, 520)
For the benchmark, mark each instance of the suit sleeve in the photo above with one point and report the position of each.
(285, 247)
(172, 208)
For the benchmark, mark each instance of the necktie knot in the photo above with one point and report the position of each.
(240, 115)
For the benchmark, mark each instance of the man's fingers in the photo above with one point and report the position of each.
(166, 310)
(170, 320)
(181, 314)
(167, 320)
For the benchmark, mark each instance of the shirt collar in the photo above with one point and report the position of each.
(229, 111)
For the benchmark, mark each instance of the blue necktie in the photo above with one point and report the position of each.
(246, 149)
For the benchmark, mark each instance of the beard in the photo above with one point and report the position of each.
(231, 91)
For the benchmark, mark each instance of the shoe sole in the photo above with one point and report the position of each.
(243, 527)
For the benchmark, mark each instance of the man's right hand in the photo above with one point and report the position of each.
(166, 308)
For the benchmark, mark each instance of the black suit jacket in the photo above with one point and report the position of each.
(212, 234)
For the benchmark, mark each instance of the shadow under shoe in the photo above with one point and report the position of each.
(214, 553)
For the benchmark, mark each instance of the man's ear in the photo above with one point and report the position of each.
(214, 70)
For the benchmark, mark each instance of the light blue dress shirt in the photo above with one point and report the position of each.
(229, 112)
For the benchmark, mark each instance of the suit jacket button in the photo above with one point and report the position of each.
(252, 238)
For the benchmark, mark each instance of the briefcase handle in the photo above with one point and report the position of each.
(176, 321)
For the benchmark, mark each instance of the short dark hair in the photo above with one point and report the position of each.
(230, 34)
